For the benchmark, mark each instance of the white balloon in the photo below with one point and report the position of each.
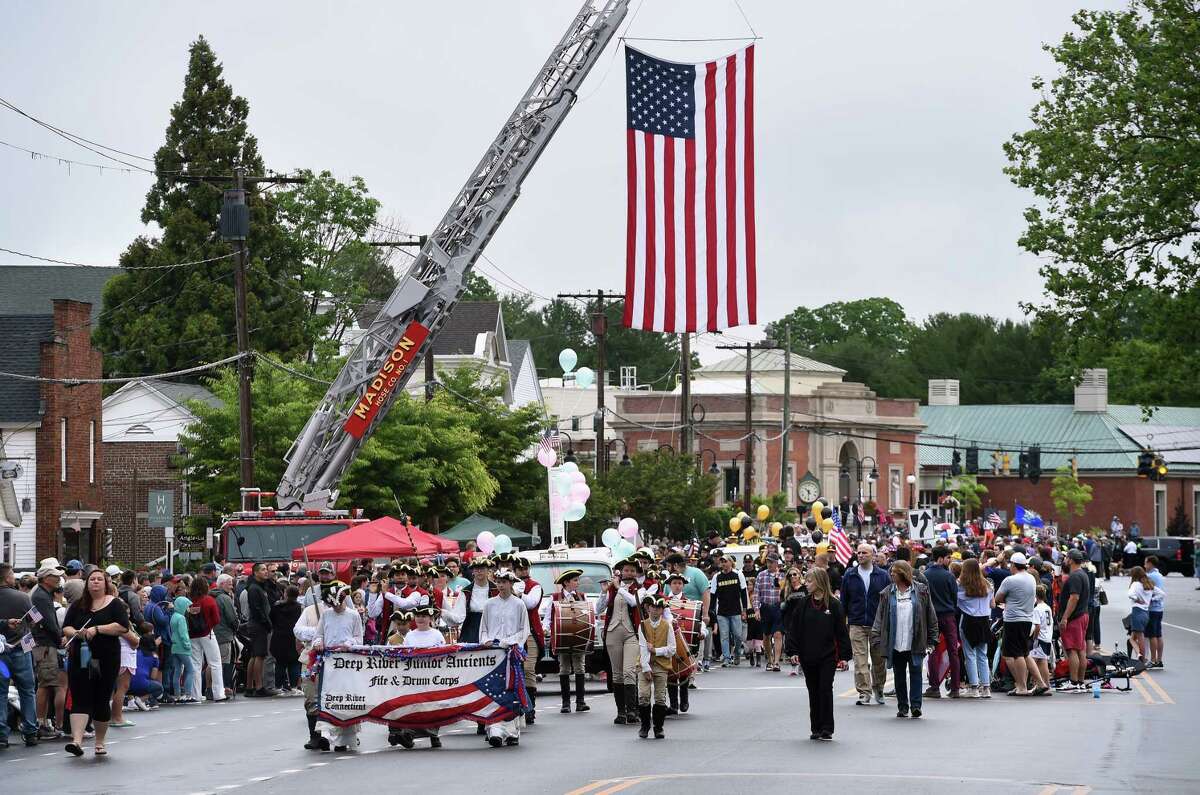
(575, 512)
(567, 359)
(570, 466)
(580, 493)
(578, 477)
(585, 377)
(611, 537)
(503, 544)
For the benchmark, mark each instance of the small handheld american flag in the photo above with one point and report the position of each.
(841, 544)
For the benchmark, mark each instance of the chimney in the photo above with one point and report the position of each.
(1091, 393)
(943, 391)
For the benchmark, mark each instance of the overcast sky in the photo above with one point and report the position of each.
(878, 152)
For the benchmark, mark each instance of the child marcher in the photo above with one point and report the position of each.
(424, 636)
(656, 641)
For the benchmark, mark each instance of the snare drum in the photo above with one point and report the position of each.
(572, 627)
(683, 664)
(686, 613)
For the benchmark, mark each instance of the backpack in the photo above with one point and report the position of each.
(195, 624)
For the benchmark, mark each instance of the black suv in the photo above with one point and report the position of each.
(1174, 553)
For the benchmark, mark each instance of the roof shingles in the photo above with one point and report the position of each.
(21, 338)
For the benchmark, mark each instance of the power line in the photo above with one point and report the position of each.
(68, 162)
(79, 381)
(68, 135)
(115, 267)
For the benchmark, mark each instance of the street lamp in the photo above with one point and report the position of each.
(570, 456)
(912, 481)
(662, 447)
(713, 469)
(625, 460)
(872, 476)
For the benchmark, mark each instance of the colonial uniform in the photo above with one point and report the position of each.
(333, 628)
(530, 591)
(619, 603)
(656, 647)
(420, 639)
(570, 663)
(677, 693)
(505, 620)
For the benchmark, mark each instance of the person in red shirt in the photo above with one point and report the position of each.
(202, 619)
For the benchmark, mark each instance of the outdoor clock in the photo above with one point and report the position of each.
(809, 489)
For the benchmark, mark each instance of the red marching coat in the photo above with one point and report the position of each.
(535, 621)
(635, 613)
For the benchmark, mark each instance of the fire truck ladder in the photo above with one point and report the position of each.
(427, 294)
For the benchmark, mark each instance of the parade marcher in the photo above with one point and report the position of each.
(422, 637)
(505, 622)
(677, 693)
(817, 640)
(906, 629)
(619, 604)
(570, 662)
(339, 624)
(530, 592)
(656, 647)
(860, 591)
(468, 608)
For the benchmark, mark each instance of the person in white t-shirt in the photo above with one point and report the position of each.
(1043, 648)
(424, 636)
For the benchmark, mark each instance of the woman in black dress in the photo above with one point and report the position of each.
(91, 630)
(817, 639)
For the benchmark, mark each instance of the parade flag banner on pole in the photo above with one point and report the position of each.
(690, 240)
(421, 688)
(841, 543)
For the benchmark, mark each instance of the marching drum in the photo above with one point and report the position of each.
(683, 664)
(572, 627)
(686, 613)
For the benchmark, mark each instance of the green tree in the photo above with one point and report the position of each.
(480, 289)
(326, 221)
(662, 490)
(1113, 160)
(969, 492)
(881, 321)
(159, 316)
(1070, 497)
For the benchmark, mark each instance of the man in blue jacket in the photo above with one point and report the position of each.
(861, 586)
(943, 592)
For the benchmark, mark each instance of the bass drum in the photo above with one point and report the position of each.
(689, 621)
(572, 627)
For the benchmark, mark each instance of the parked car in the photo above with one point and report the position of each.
(1174, 553)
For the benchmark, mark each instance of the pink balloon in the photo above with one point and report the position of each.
(628, 527)
(580, 492)
(486, 542)
(558, 503)
(578, 477)
(547, 457)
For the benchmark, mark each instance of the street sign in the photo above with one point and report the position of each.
(169, 533)
(160, 511)
(920, 524)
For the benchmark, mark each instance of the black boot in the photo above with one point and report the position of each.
(580, 704)
(660, 715)
(631, 704)
(683, 696)
(532, 713)
(564, 682)
(673, 697)
(619, 698)
(315, 741)
(644, 717)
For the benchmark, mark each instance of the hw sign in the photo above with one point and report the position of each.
(920, 525)
(160, 510)
(384, 383)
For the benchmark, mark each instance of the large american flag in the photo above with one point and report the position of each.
(842, 550)
(690, 228)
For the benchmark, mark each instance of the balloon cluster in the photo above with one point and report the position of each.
(584, 376)
(488, 542)
(570, 491)
(620, 538)
(820, 520)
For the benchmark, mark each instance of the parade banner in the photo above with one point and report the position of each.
(411, 688)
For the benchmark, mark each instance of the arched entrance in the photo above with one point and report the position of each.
(847, 488)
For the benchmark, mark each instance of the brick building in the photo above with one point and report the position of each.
(1104, 439)
(141, 450)
(853, 445)
(50, 433)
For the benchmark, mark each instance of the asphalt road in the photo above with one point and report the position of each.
(747, 729)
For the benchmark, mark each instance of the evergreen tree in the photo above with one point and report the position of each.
(159, 315)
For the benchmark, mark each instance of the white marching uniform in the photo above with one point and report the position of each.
(507, 622)
(334, 629)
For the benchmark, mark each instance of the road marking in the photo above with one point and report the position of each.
(52, 753)
(318, 764)
(260, 779)
(1162, 694)
(615, 785)
(1141, 689)
(588, 788)
(625, 785)
(1185, 629)
(289, 770)
(224, 787)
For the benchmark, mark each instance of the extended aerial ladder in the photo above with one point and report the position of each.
(405, 328)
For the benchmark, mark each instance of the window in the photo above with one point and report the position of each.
(92, 452)
(894, 448)
(733, 481)
(139, 429)
(790, 486)
(1195, 511)
(62, 448)
(1160, 509)
(895, 487)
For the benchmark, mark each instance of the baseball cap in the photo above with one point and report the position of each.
(113, 570)
(1076, 555)
(73, 566)
(49, 571)
(325, 566)
(1019, 559)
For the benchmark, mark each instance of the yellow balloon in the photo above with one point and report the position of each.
(749, 534)
(764, 511)
(817, 507)
(827, 524)
(776, 527)
(735, 524)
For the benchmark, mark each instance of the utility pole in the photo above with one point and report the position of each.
(685, 394)
(235, 228)
(749, 348)
(600, 331)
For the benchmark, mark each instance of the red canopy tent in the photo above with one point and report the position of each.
(382, 538)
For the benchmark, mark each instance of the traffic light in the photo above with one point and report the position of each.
(1035, 464)
(1022, 465)
(1159, 474)
(972, 460)
(1145, 464)
(956, 464)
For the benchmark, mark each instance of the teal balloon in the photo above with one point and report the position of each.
(575, 512)
(611, 538)
(503, 544)
(585, 377)
(563, 485)
(570, 466)
(567, 360)
(624, 549)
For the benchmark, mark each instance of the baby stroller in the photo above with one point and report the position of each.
(1109, 670)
